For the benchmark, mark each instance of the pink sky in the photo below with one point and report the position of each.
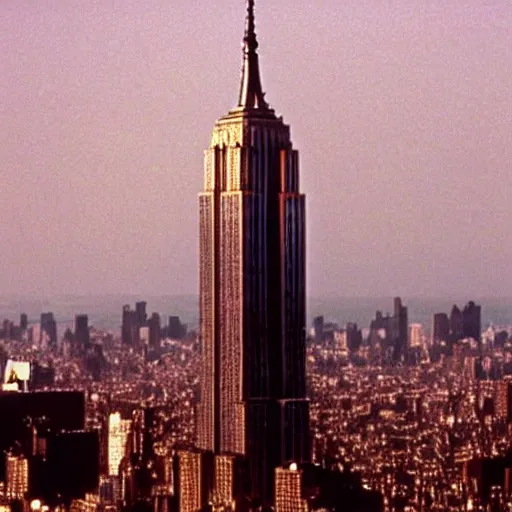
(401, 109)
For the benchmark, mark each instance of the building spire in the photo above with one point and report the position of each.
(251, 93)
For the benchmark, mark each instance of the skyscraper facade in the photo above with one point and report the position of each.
(399, 334)
(416, 335)
(16, 476)
(118, 431)
(289, 490)
(192, 479)
(252, 287)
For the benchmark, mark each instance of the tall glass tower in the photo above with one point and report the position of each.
(252, 287)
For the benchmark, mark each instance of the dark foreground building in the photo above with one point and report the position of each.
(43, 443)
(66, 468)
(51, 410)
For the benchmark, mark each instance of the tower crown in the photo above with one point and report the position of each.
(251, 93)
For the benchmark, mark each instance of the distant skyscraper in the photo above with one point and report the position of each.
(140, 309)
(49, 326)
(471, 321)
(23, 321)
(6, 330)
(354, 337)
(132, 321)
(399, 331)
(130, 326)
(456, 324)
(318, 328)
(175, 329)
(82, 337)
(440, 328)
(252, 287)
(155, 330)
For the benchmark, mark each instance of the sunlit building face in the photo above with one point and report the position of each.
(118, 430)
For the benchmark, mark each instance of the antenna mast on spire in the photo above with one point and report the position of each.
(251, 93)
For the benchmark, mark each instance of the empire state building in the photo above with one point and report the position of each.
(252, 288)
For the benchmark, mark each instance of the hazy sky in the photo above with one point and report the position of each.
(401, 110)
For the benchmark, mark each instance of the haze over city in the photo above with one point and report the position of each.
(401, 112)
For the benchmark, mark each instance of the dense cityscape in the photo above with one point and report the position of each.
(254, 410)
(419, 414)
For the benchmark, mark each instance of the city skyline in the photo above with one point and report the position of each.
(405, 108)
